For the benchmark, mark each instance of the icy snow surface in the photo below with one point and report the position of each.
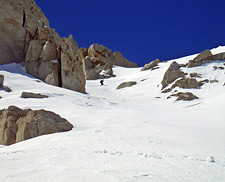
(129, 135)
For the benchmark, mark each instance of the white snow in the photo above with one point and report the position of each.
(133, 134)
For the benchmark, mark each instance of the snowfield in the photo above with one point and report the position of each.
(133, 134)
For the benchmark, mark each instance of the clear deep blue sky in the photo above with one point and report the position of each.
(142, 30)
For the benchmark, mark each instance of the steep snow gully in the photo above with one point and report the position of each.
(130, 134)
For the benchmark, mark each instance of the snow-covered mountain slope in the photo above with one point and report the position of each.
(132, 134)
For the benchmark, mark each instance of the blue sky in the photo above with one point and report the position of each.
(142, 30)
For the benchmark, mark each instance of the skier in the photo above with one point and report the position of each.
(102, 82)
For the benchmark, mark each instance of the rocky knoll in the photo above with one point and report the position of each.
(98, 61)
(18, 125)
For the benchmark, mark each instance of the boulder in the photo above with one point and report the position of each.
(19, 21)
(17, 125)
(126, 84)
(1, 81)
(72, 73)
(151, 65)
(33, 95)
(172, 73)
(203, 55)
(185, 96)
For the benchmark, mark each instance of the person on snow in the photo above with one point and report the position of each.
(102, 82)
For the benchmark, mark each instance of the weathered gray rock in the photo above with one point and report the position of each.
(34, 50)
(172, 74)
(19, 21)
(72, 73)
(126, 84)
(150, 65)
(1, 81)
(47, 71)
(185, 96)
(33, 95)
(17, 125)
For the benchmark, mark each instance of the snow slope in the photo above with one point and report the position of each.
(129, 135)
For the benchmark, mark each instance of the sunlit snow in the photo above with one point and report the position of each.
(133, 134)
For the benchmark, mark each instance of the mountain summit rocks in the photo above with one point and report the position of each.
(25, 36)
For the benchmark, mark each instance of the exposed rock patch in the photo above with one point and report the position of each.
(205, 57)
(151, 65)
(17, 125)
(185, 96)
(187, 83)
(213, 81)
(126, 84)
(33, 95)
(7, 89)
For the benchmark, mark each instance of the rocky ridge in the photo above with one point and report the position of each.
(27, 37)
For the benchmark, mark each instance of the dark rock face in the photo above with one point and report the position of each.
(126, 84)
(17, 125)
(172, 74)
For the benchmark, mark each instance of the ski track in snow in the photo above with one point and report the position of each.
(131, 135)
